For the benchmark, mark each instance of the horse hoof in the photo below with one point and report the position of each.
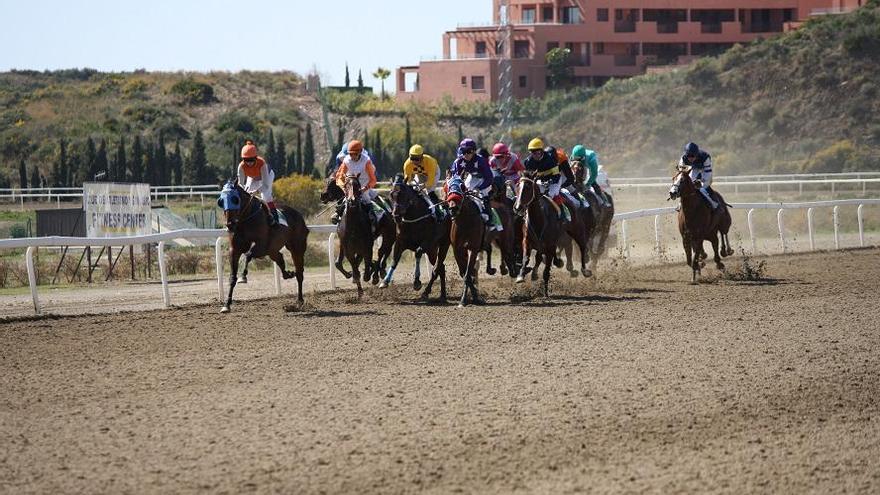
(383, 285)
(417, 285)
(224, 309)
(558, 263)
(520, 279)
(242, 280)
(572, 274)
(534, 276)
(460, 305)
(720, 266)
(491, 271)
(587, 273)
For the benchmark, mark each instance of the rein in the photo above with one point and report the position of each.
(532, 200)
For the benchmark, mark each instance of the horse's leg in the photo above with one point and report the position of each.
(584, 246)
(278, 258)
(247, 261)
(714, 240)
(475, 279)
(686, 243)
(355, 273)
(339, 266)
(298, 256)
(432, 258)
(466, 272)
(697, 264)
(548, 260)
(233, 277)
(538, 258)
(489, 268)
(417, 273)
(398, 251)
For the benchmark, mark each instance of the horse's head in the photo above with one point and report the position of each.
(352, 188)
(526, 192)
(455, 193)
(232, 198)
(402, 196)
(578, 170)
(332, 192)
(681, 182)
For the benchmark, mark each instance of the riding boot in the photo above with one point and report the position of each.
(273, 217)
(337, 215)
(487, 213)
(435, 206)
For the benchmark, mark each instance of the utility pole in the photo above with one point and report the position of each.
(505, 71)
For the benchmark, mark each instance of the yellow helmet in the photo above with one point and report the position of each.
(416, 150)
(536, 144)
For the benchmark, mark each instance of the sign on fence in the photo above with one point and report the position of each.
(114, 209)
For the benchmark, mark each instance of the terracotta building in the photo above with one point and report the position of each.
(606, 39)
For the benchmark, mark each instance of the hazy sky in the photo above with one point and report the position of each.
(202, 35)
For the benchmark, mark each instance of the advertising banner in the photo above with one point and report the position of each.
(116, 209)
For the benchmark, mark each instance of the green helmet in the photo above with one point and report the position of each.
(579, 152)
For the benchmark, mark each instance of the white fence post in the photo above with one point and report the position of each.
(624, 239)
(277, 272)
(861, 225)
(166, 297)
(780, 215)
(657, 236)
(836, 227)
(331, 255)
(752, 228)
(218, 261)
(810, 229)
(32, 277)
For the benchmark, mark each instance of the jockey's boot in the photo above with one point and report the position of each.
(561, 210)
(337, 215)
(273, 214)
(712, 202)
(487, 213)
(436, 209)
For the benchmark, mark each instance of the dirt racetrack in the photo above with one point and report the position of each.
(635, 382)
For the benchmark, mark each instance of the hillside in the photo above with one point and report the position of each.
(38, 109)
(804, 101)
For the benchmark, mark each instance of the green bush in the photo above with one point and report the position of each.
(299, 192)
(192, 92)
(18, 231)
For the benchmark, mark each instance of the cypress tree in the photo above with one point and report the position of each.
(176, 165)
(198, 161)
(366, 137)
(161, 170)
(340, 135)
(59, 168)
(281, 156)
(101, 163)
(73, 165)
(22, 175)
(35, 177)
(347, 78)
(378, 155)
(300, 166)
(460, 133)
(309, 151)
(136, 172)
(270, 149)
(119, 162)
(292, 167)
(149, 163)
(360, 80)
(88, 171)
(408, 136)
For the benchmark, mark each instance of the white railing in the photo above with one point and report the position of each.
(33, 243)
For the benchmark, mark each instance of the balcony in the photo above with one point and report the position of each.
(625, 26)
(625, 60)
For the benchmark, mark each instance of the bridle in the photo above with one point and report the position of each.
(519, 192)
(238, 222)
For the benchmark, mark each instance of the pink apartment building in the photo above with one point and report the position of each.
(606, 39)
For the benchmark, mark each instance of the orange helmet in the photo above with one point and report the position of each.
(249, 150)
(355, 146)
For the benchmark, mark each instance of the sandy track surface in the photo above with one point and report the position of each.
(635, 382)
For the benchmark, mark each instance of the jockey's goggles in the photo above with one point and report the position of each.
(690, 156)
(535, 152)
(415, 158)
(468, 152)
(250, 160)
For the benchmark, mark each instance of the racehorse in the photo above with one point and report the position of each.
(355, 232)
(332, 193)
(250, 234)
(505, 240)
(698, 222)
(579, 230)
(466, 235)
(541, 226)
(602, 218)
(418, 231)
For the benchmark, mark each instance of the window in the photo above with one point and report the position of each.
(602, 15)
(528, 16)
(464, 80)
(480, 49)
(710, 19)
(521, 49)
(547, 14)
(499, 48)
(625, 20)
(600, 48)
(571, 15)
(522, 81)
(552, 44)
(667, 19)
(478, 83)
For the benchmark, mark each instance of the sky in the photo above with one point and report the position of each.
(202, 35)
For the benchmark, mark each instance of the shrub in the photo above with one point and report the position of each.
(192, 92)
(18, 231)
(299, 192)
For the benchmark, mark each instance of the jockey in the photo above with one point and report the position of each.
(701, 170)
(341, 156)
(256, 175)
(421, 163)
(506, 164)
(468, 162)
(358, 163)
(589, 158)
(547, 168)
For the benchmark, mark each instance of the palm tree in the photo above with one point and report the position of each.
(382, 74)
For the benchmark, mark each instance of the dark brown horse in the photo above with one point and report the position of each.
(466, 235)
(506, 239)
(250, 234)
(386, 229)
(420, 232)
(540, 229)
(355, 232)
(603, 216)
(698, 222)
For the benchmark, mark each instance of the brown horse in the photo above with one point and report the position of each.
(386, 229)
(466, 235)
(420, 232)
(506, 239)
(603, 215)
(541, 226)
(698, 222)
(250, 234)
(355, 232)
